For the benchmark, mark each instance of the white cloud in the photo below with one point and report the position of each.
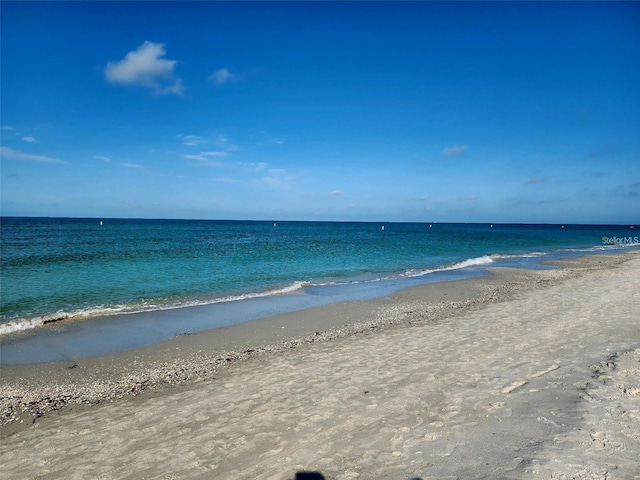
(7, 127)
(221, 76)
(104, 159)
(455, 150)
(336, 193)
(145, 67)
(29, 139)
(16, 155)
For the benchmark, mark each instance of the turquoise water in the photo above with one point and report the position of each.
(63, 267)
(89, 268)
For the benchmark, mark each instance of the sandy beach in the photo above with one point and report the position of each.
(521, 374)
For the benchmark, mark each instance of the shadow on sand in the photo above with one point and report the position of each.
(309, 476)
(319, 476)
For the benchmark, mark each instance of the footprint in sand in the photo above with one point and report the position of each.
(431, 436)
(452, 409)
(398, 439)
(601, 440)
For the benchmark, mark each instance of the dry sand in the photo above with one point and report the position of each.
(520, 375)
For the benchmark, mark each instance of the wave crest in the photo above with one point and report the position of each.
(102, 310)
(472, 262)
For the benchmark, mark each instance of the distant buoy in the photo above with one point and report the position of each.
(382, 227)
(275, 224)
(562, 226)
(100, 222)
(430, 226)
(491, 226)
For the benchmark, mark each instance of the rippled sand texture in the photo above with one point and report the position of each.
(546, 385)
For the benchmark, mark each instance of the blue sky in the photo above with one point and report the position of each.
(429, 112)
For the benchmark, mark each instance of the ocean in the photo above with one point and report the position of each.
(122, 272)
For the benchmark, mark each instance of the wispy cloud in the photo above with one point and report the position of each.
(550, 201)
(254, 166)
(145, 67)
(278, 178)
(424, 198)
(336, 193)
(604, 151)
(207, 158)
(191, 140)
(29, 139)
(534, 180)
(227, 180)
(100, 157)
(217, 141)
(7, 127)
(223, 142)
(632, 190)
(131, 165)
(455, 150)
(16, 155)
(468, 198)
(221, 76)
(274, 182)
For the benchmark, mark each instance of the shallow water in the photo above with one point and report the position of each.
(128, 283)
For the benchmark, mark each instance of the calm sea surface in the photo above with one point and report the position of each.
(63, 268)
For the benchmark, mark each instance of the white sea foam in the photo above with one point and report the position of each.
(523, 255)
(19, 325)
(472, 262)
(103, 310)
(604, 248)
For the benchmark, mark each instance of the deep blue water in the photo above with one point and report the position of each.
(78, 268)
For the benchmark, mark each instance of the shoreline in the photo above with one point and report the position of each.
(520, 374)
(63, 336)
(30, 391)
(77, 338)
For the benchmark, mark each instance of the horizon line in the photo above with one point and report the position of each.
(378, 222)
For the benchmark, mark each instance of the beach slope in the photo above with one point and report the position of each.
(544, 383)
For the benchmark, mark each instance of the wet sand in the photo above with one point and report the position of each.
(522, 374)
